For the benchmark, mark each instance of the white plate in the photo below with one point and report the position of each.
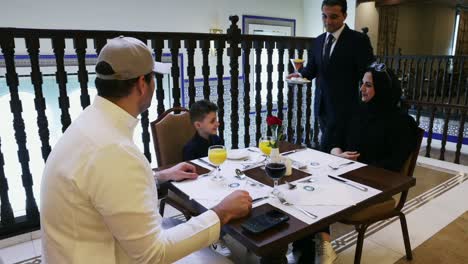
(236, 154)
(297, 80)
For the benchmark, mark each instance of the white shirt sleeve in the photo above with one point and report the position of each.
(120, 184)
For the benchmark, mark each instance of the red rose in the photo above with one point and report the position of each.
(273, 120)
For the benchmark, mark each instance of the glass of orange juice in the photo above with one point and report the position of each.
(265, 145)
(217, 154)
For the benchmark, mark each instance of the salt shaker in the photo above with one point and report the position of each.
(288, 163)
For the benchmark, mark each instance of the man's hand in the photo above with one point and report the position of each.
(178, 172)
(352, 155)
(296, 75)
(236, 205)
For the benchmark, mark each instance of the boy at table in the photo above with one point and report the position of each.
(203, 115)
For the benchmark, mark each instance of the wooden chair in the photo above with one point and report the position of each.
(386, 209)
(171, 131)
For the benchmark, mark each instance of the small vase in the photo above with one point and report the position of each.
(274, 155)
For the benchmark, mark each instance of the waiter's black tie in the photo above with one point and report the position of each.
(326, 55)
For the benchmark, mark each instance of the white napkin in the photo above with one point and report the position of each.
(329, 197)
(209, 192)
(319, 160)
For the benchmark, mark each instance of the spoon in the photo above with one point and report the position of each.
(308, 180)
(240, 175)
(336, 167)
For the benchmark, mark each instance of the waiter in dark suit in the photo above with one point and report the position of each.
(337, 62)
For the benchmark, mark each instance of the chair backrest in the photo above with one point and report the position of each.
(171, 132)
(410, 163)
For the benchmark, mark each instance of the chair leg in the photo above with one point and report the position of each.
(404, 229)
(162, 204)
(186, 215)
(360, 242)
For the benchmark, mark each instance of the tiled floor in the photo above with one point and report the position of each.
(435, 205)
(447, 246)
(426, 179)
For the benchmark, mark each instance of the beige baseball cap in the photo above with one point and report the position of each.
(128, 57)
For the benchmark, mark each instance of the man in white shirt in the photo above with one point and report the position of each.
(98, 195)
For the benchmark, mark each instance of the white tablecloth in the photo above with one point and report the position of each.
(329, 197)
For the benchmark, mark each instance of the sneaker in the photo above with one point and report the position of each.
(221, 248)
(324, 252)
(293, 257)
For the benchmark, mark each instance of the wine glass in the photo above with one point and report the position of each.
(276, 171)
(217, 154)
(297, 64)
(265, 147)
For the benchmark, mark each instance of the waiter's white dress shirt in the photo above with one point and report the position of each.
(336, 36)
(99, 199)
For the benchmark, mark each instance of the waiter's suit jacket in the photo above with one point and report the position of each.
(337, 85)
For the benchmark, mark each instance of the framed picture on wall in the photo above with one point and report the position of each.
(272, 26)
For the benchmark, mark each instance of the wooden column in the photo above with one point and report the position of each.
(219, 46)
(234, 34)
(246, 47)
(32, 44)
(58, 45)
(80, 47)
(190, 45)
(281, 45)
(291, 87)
(6, 212)
(258, 46)
(174, 45)
(270, 45)
(205, 47)
(158, 45)
(7, 45)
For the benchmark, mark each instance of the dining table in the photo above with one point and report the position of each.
(325, 186)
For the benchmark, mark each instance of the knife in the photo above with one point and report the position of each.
(260, 199)
(252, 150)
(364, 189)
(206, 174)
(292, 151)
(207, 163)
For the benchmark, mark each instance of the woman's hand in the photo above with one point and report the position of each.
(351, 155)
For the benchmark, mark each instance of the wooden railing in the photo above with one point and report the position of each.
(242, 110)
(233, 43)
(435, 88)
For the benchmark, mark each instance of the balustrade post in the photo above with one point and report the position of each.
(7, 45)
(234, 35)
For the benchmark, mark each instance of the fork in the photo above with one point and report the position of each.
(284, 202)
(291, 186)
(340, 165)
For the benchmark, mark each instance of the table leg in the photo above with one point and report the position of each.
(276, 257)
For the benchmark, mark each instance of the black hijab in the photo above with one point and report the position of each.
(387, 92)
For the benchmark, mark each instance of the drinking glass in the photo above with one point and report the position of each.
(276, 171)
(265, 145)
(217, 154)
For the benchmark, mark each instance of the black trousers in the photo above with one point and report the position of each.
(307, 247)
(326, 128)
